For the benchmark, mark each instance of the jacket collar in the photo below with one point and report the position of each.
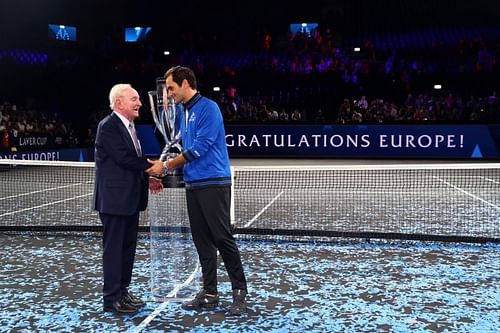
(189, 104)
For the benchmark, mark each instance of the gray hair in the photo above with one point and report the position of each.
(116, 92)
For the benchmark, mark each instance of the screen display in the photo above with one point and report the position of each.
(136, 34)
(305, 28)
(62, 32)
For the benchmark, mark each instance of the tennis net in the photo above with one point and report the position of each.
(443, 202)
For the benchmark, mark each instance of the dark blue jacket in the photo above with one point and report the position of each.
(121, 185)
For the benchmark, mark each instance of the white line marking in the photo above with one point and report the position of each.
(467, 193)
(163, 305)
(263, 210)
(492, 180)
(356, 167)
(44, 205)
(44, 190)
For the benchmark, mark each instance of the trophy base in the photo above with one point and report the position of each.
(174, 266)
(173, 181)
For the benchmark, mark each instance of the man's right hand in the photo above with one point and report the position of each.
(156, 168)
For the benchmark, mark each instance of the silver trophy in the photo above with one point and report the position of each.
(175, 268)
(164, 118)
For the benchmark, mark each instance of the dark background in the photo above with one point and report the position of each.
(76, 78)
(23, 21)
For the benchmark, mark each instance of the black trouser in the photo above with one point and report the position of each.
(119, 244)
(209, 217)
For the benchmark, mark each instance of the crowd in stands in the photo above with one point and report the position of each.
(309, 77)
(434, 108)
(448, 109)
(397, 78)
(18, 120)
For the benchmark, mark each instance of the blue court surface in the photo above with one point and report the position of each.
(53, 283)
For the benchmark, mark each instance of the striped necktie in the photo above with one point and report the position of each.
(134, 138)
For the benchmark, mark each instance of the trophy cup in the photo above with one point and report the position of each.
(175, 268)
(164, 115)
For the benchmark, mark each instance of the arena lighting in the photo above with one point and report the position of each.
(357, 49)
(437, 86)
(216, 88)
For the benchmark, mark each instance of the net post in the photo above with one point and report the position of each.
(231, 210)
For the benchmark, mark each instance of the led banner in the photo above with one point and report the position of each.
(21, 142)
(365, 141)
(77, 154)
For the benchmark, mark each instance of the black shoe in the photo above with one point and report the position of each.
(120, 307)
(132, 300)
(202, 301)
(238, 307)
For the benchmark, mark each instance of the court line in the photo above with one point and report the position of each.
(263, 209)
(163, 305)
(363, 192)
(47, 204)
(492, 180)
(467, 193)
(44, 190)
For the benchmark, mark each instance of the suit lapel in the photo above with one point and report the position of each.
(124, 132)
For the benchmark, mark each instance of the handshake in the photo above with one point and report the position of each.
(158, 168)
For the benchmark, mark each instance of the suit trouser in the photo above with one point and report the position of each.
(119, 245)
(209, 218)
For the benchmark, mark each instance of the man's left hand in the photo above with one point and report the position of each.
(155, 185)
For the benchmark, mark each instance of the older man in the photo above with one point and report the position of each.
(121, 191)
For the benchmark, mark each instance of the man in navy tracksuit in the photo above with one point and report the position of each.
(207, 175)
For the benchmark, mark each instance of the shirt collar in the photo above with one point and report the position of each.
(124, 120)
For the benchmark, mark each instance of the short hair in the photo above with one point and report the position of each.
(116, 91)
(180, 73)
